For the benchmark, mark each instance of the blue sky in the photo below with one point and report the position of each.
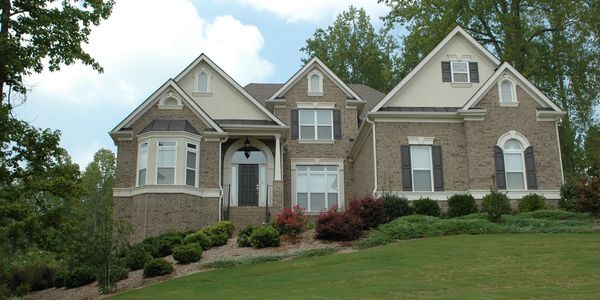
(146, 42)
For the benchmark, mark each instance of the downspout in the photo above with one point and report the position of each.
(374, 155)
(562, 174)
(221, 178)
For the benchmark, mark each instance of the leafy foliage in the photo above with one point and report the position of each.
(243, 239)
(333, 225)
(495, 204)
(136, 256)
(588, 199)
(291, 222)
(396, 206)
(264, 236)
(157, 267)
(371, 211)
(354, 51)
(187, 253)
(199, 238)
(80, 276)
(427, 207)
(226, 227)
(461, 205)
(532, 202)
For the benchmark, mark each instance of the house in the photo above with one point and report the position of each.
(202, 148)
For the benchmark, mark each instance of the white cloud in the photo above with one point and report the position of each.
(84, 154)
(145, 42)
(314, 10)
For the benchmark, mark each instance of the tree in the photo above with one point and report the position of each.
(552, 43)
(32, 31)
(592, 150)
(354, 51)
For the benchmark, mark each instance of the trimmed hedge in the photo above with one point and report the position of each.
(217, 235)
(162, 245)
(244, 236)
(396, 207)
(495, 204)
(461, 205)
(426, 207)
(199, 238)
(264, 236)
(226, 227)
(371, 211)
(157, 267)
(136, 256)
(338, 226)
(532, 202)
(187, 253)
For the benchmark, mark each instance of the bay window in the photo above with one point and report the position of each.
(142, 164)
(166, 160)
(191, 162)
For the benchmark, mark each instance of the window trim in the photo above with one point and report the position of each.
(310, 91)
(412, 168)
(523, 171)
(514, 101)
(137, 173)
(452, 62)
(197, 91)
(196, 164)
(315, 125)
(326, 173)
(158, 147)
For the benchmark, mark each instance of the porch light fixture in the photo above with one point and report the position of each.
(247, 148)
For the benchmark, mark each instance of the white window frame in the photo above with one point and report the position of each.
(324, 172)
(197, 91)
(513, 101)
(413, 169)
(315, 125)
(158, 148)
(188, 149)
(142, 147)
(523, 171)
(163, 103)
(467, 72)
(311, 91)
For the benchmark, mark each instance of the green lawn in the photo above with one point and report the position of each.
(502, 266)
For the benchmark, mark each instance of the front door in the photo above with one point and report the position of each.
(248, 185)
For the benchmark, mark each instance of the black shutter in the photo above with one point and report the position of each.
(406, 169)
(473, 72)
(499, 161)
(337, 124)
(438, 173)
(530, 169)
(446, 72)
(294, 125)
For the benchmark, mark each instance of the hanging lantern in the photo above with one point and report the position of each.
(247, 148)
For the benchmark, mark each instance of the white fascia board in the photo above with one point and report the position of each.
(434, 52)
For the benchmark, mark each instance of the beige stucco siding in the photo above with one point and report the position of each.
(225, 101)
(482, 136)
(426, 88)
(391, 135)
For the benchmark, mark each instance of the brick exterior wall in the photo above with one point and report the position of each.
(339, 149)
(362, 169)
(482, 136)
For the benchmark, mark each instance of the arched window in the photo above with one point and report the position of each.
(508, 92)
(514, 164)
(203, 83)
(315, 84)
(170, 101)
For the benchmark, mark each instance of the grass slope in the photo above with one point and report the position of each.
(502, 266)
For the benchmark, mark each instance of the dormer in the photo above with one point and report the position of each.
(203, 86)
(315, 83)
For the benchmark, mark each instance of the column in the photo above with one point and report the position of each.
(277, 158)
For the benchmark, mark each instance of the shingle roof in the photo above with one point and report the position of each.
(421, 109)
(262, 91)
(170, 125)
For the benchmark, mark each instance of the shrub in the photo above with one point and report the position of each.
(80, 276)
(495, 204)
(35, 277)
(199, 238)
(588, 199)
(556, 214)
(371, 211)
(264, 236)
(461, 205)
(568, 195)
(427, 207)
(118, 272)
(163, 245)
(187, 253)
(136, 256)
(157, 267)
(219, 239)
(291, 222)
(396, 207)
(338, 226)
(226, 227)
(244, 236)
(532, 202)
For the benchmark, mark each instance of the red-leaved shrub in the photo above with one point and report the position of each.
(291, 222)
(371, 211)
(333, 225)
(588, 199)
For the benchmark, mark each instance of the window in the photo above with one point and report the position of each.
(142, 163)
(191, 162)
(166, 159)
(317, 187)
(316, 124)
(202, 82)
(315, 84)
(421, 168)
(460, 71)
(514, 165)
(507, 91)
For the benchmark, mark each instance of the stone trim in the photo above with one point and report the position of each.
(166, 189)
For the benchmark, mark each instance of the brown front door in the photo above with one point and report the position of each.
(248, 185)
